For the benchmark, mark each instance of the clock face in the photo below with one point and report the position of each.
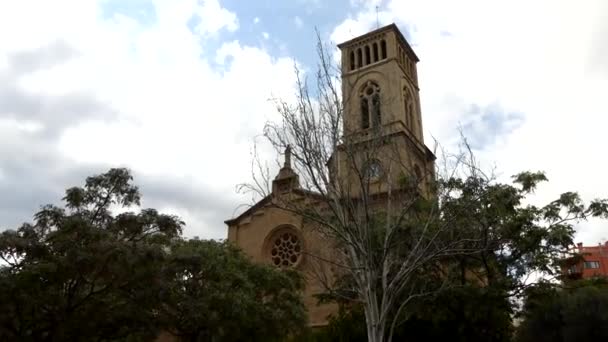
(373, 171)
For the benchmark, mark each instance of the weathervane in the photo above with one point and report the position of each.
(377, 20)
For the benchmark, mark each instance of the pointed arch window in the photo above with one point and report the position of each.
(376, 118)
(359, 58)
(370, 105)
(410, 113)
(368, 58)
(364, 113)
(418, 174)
(352, 60)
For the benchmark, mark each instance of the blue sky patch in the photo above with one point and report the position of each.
(289, 25)
(141, 10)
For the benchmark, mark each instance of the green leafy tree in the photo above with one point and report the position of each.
(513, 239)
(503, 241)
(576, 313)
(467, 313)
(81, 273)
(216, 293)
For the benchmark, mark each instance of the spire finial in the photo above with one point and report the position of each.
(287, 156)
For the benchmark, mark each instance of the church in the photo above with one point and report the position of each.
(382, 133)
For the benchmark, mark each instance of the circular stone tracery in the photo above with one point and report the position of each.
(286, 249)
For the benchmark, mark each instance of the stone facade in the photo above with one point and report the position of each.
(380, 99)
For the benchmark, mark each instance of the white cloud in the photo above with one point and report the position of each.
(265, 35)
(256, 20)
(298, 22)
(174, 113)
(175, 107)
(542, 59)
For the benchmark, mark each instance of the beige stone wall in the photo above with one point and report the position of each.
(252, 235)
(399, 156)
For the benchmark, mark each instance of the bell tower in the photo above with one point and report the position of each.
(381, 100)
(380, 82)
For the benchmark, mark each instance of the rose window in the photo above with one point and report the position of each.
(286, 250)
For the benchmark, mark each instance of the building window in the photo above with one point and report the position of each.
(376, 115)
(383, 48)
(364, 113)
(285, 248)
(352, 60)
(359, 58)
(418, 173)
(370, 105)
(375, 48)
(368, 58)
(373, 170)
(572, 269)
(408, 104)
(592, 264)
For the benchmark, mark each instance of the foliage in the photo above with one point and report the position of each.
(514, 239)
(80, 273)
(459, 314)
(503, 241)
(229, 299)
(578, 313)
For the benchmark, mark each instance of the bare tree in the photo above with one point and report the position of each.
(384, 223)
(389, 222)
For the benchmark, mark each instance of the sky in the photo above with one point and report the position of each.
(178, 91)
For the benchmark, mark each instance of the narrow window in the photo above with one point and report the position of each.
(367, 55)
(409, 109)
(364, 113)
(352, 60)
(592, 264)
(383, 48)
(375, 47)
(359, 58)
(418, 172)
(412, 121)
(376, 109)
(406, 103)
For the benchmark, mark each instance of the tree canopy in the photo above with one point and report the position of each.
(472, 295)
(82, 273)
(578, 312)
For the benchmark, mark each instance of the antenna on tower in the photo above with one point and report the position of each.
(377, 20)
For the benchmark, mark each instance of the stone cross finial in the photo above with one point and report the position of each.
(287, 157)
